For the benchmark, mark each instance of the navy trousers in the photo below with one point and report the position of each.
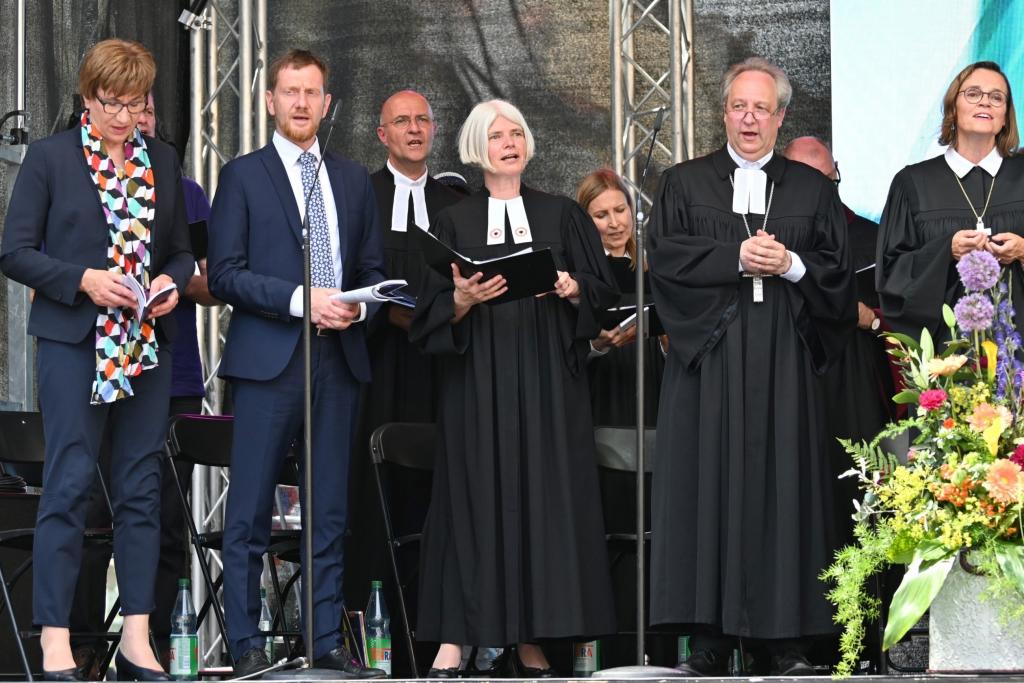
(73, 429)
(268, 419)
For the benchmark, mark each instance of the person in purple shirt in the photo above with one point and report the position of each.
(187, 393)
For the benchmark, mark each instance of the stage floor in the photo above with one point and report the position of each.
(907, 678)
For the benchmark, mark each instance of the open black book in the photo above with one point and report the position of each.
(527, 273)
(623, 316)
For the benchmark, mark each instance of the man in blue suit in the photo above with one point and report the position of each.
(256, 264)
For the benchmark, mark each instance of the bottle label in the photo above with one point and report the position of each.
(380, 653)
(585, 658)
(184, 656)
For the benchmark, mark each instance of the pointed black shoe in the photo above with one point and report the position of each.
(702, 663)
(450, 672)
(63, 675)
(126, 671)
(792, 663)
(342, 661)
(251, 661)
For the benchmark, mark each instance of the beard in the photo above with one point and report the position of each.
(299, 136)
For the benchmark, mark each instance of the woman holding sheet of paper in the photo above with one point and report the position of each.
(612, 364)
(514, 547)
(91, 206)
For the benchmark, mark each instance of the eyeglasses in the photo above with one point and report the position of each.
(739, 113)
(838, 179)
(402, 122)
(114, 107)
(996, 98)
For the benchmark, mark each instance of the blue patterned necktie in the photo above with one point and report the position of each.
(321, 262)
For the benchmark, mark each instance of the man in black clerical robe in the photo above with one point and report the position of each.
(403, 387)
(860, 384)
(754, 286)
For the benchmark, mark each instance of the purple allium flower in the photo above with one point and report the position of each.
(979, 270)
(974, 312)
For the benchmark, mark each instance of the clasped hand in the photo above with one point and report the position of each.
(326, 313)
(764, 255)
(1007, 247)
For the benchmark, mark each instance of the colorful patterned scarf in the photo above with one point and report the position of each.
(125, 346)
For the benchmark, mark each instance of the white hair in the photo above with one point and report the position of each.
(473, 135)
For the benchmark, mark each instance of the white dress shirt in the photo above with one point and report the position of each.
(961, 166)
(290, 153)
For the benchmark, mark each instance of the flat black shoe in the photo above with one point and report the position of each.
(251, 661)
(126, 671)
(63, 675)
(702, 663)
(792, 664)
(342, 661)
(450, 672)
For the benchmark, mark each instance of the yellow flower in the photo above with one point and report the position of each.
(940, 367)
(1005, 481)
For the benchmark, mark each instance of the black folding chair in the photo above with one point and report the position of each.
(22, 448)
(408, 445)
(206, 440)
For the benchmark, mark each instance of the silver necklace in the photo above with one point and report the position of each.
(757, 278)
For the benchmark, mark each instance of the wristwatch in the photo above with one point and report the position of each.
(876, 324)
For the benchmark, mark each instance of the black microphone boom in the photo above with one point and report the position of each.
(307, 435)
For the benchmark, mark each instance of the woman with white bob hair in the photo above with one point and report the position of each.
(513, 548)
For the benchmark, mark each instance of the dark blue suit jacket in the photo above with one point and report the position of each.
(55, 229)
(255, 259)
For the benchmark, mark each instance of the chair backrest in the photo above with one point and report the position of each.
(616, 448)
(409, 444)
(22, 445)
(201, 439)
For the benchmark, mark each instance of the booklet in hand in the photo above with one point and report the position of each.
(526, 273)
(624, 317)
(387, 291)
(143, 300)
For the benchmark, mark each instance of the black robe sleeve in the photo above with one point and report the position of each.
(914, 273)
(588, 265)
(432, 327)
(827, 291)
(694, 278)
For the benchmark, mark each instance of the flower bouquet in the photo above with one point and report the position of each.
(960, 487)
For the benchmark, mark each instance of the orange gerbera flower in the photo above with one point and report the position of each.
(1005, 481)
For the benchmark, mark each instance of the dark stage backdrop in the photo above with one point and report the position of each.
(550, 57)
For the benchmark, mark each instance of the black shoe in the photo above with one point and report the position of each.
(702, 663)
(63, 675)
(520, 670)
(792, 663)
(126, 671)
(450, 672)
(501, 667)
(251, 661)
(341, 660)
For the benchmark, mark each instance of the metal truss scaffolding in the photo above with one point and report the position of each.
(652, 68)
(228, 118)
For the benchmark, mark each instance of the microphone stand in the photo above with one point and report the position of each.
(641, 670)
(307, 428)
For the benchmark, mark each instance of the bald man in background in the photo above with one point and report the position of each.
(403, 387)
(860, 382)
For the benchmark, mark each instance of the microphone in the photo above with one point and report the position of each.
(660, 120)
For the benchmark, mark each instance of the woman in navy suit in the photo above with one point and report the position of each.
(92, 207)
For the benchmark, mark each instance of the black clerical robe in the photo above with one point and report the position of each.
(916, 270)
(403, 390)
(514, 547)
(613, 375)
(742, 493)
(859, 385)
